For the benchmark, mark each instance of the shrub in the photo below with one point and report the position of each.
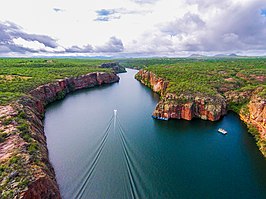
(24, 183)
(3, 137)
(14, 160)
(33, 147)
(26, 137)
(7, 121)
(60, 95)
(23, 127)
(2, 169)
(21, 115)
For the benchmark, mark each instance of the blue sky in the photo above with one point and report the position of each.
(263, 12)
(132, 28)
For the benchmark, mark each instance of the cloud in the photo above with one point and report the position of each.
(209, 28)
(160, 27)
(107, 15)
(240, 26)
(105, 12)
(14, 39)
(46, 40)
(109, 18)
(187, 24)
(145, 1)
(111, 14)
(113, 45)
(206, 4)
(75, 49)
(58, 10)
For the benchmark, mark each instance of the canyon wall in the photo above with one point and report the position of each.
(25, 168)
(188, 106)
(183, 106)
(254, 115)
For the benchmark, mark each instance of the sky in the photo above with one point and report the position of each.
(132, 28)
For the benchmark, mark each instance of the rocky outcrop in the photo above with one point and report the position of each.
(249, 104)
(115, 66)
(191, 106)
(254, 115)
(157, 84)
(43, 187)
(46, 94)
(25, 168)
(183, 106)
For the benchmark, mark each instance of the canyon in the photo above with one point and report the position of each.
(24, 157)
(25, 166)
(208, 107)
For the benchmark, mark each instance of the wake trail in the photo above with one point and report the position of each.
(142, 190)
(136, 187)
(133, 190)
(92, 166)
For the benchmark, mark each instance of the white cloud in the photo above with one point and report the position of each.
(34, 45)
(145, 1)
(161, 27)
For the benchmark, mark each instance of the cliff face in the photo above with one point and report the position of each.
(184, 106)
(48, 93)
(188, 106)
(254, 115)
(115, 66)
(191, 106)
(25, 168)
(157, 84)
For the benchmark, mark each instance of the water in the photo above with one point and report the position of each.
(149, 158)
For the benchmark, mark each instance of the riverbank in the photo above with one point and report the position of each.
(25, 169)
(168, 159)
(250, 104)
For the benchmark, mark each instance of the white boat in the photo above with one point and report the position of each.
(222, 131)
(160, 118)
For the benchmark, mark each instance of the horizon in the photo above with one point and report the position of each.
(192, 56)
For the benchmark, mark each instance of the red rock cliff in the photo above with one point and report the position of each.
(184, 106)
(25, 167)
(157, 84)
(254, 115)
(191, 106)
(188, 106)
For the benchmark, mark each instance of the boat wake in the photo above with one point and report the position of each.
(134, 186)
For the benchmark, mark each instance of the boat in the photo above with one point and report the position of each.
(160, 118)
(222, 131)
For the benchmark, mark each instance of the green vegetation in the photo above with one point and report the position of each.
(3, 137)
(261, 143)
(7, 121)
(13, 171)
(139, 63)
(237, 79)
(210, 77)
(18, 76)
(33, 148)
(60, 95)
(236, 107)
(16, 168)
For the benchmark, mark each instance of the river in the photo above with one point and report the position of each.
(139, 157)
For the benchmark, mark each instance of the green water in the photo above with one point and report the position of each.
(149, 158)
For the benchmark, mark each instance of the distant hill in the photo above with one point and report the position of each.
(226, 55)
(233, 55)
(196, 55)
